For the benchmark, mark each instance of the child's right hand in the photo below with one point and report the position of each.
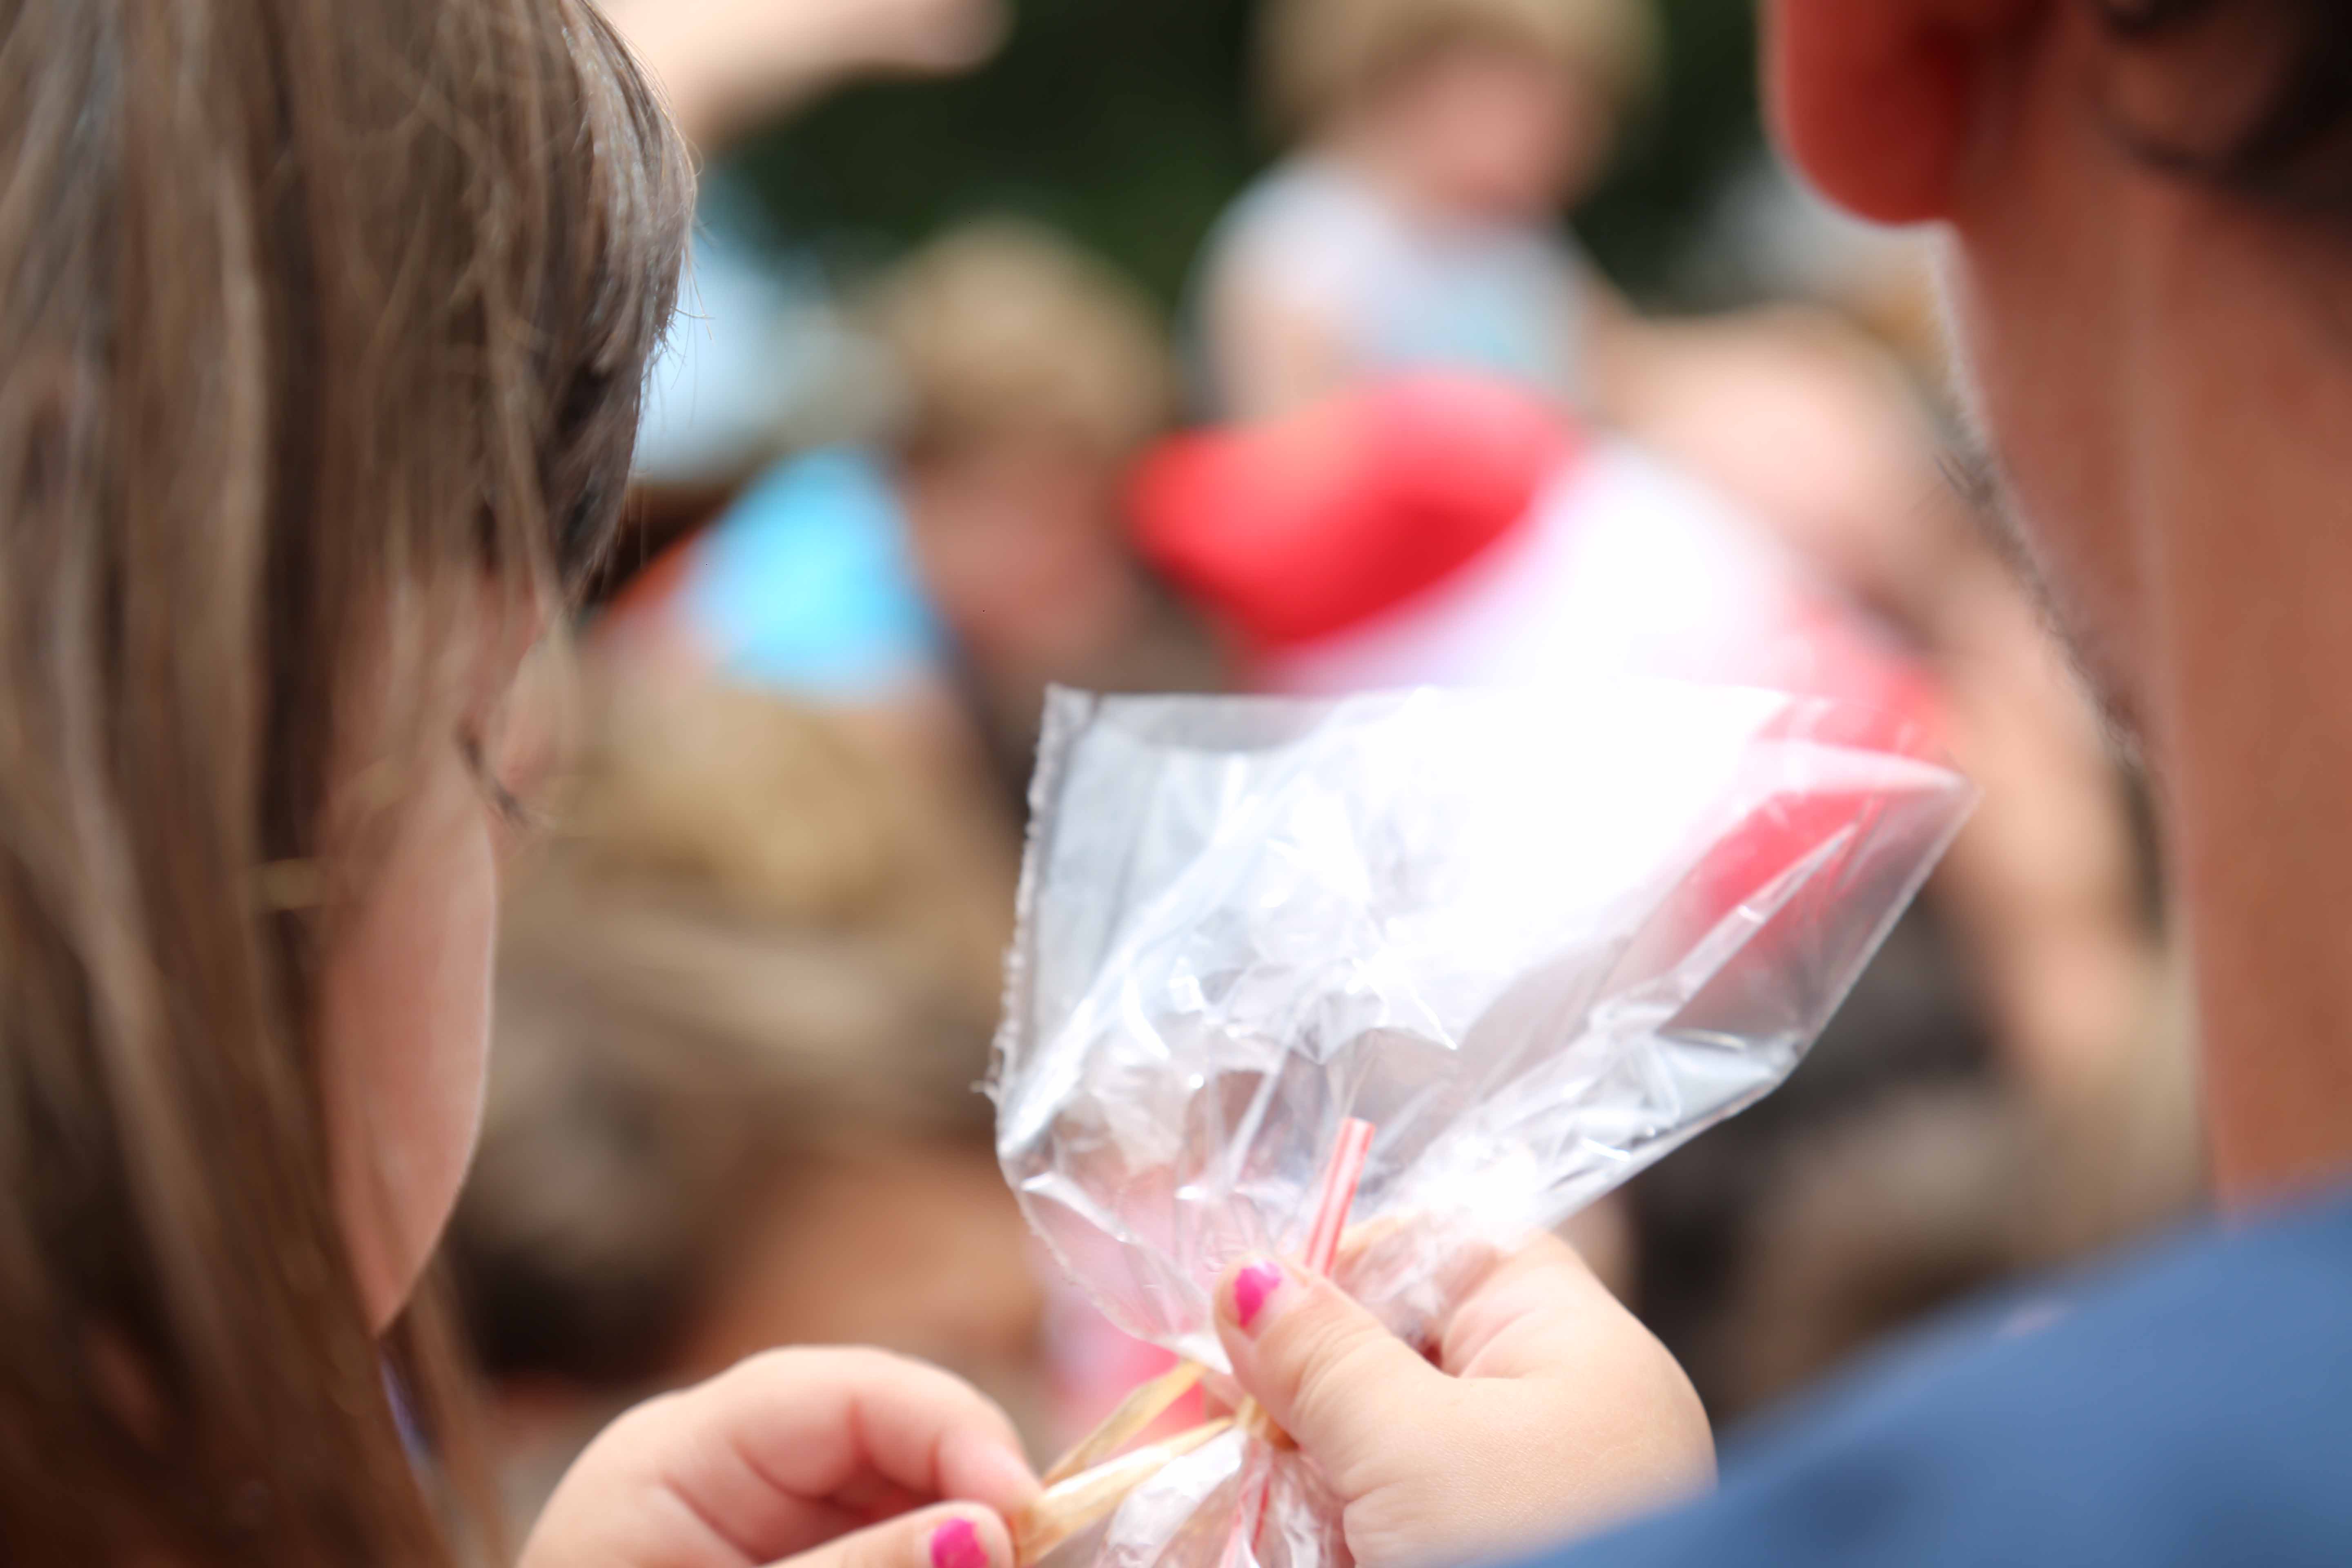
(1550, 1413)
(835, 1459)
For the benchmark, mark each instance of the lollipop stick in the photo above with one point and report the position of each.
(1085, 1500)
(1123, 1425)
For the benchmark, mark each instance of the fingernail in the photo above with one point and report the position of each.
(1253, 1287)
(957, 1545)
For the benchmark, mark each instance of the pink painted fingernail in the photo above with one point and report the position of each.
(1252, 1287)
(957, 1545)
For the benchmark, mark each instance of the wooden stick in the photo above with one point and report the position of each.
(1085, 1499)
(1123, 1425)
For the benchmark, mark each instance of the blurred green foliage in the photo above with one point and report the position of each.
(1131, 124)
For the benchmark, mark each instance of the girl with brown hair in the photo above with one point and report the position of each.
(321, 328)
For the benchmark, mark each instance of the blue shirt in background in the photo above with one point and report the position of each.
(2193, 1408)
(808, 585)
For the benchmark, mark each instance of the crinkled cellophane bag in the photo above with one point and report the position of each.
(1538, 940)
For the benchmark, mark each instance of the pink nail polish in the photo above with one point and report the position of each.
(957, 1545)
(1252, 1287)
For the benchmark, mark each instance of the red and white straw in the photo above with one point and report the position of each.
(1337, 1196)
(1340, 1176)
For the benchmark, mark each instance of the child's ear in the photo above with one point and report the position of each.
(1875, 100)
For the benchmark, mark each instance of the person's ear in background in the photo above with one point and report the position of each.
(1872, 97)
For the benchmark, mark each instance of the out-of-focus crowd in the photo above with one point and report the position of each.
(1403, 430)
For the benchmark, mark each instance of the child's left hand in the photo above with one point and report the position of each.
(839, 1458)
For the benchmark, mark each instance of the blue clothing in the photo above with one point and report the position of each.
(2193, 1408)
(808, 584)
(1397, 293)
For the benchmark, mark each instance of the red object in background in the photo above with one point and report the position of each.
(1450, 530)
(1304, 528)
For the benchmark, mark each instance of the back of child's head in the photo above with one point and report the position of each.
(750, 949)
(1002, 332)
(1319, 57)
(321, 324)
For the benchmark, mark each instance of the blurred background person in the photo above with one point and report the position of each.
(1413, 224)
(980, 549)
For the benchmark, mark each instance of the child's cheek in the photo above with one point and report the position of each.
(407, 1005)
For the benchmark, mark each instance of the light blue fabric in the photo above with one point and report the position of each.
(808, 584)
(1397, 293)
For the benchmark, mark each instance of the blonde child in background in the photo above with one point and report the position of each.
(1414, 223)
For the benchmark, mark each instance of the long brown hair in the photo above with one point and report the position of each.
(315, 315)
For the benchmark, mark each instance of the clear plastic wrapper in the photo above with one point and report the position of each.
(1536, 941)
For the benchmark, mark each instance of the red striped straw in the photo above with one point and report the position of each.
(1337, 1196)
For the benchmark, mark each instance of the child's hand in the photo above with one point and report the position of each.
(1549, 1412)
(843, 1459)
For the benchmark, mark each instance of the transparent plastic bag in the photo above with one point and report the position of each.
(1536, 939)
